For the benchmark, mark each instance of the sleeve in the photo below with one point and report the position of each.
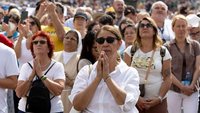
(6, 41)
(59, 71)
(128, 50)
(131, 86)
(80, 83)
(197, 48)
(11, 63)
(25, 72)
(82, 63)
(167, 54)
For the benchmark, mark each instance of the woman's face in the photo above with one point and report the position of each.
(107, 42)
(96, 28)
(70, 42)
(12, 24)
(129, 35)
(33, 26)
(40, 46)
(180, 28)
(146, 29)
(95, 51)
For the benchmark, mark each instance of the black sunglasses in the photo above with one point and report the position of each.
(39, 41)
(148, 25)
(109, 40)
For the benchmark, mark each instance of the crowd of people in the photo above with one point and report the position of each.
(118, 60)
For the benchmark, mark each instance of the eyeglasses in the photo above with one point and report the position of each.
(39, 41)
(109, 40)
(31, 23)
(70, 38)
(148, 25)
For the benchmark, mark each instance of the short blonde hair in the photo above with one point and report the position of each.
(177, 17)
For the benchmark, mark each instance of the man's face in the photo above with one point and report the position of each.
(195, 33)
(118, 6)
(80, 22)
(159, 12)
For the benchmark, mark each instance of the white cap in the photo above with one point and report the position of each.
(193, 20)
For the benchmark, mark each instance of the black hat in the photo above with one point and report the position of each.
(129, 9)
(81, 14)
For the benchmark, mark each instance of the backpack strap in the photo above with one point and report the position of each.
(162, 52)
(49, 68)
(44, 74)
(46, 71)
(30, 65)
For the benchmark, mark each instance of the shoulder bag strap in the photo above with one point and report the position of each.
(149, 67)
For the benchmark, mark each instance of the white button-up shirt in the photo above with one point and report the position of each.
(103, 102)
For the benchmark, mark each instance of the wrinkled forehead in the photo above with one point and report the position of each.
(160, 5)
(116, 2)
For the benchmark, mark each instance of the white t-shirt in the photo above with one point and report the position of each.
(103, 102)
(8, 67)
(56, 72)
(140, 62)
(26, 55)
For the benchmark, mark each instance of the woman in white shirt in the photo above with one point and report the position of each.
(109, 85)
(42, 67)
(154, 70)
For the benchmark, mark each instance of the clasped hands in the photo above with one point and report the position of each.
(147, 103)
(103, 66)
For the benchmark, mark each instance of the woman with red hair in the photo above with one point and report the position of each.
(41, 67)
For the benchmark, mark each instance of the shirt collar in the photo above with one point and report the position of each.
(187, 41)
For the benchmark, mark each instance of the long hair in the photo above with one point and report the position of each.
(157, 41)
(88, 42)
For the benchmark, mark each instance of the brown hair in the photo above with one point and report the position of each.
(112, 30)
(157, 41)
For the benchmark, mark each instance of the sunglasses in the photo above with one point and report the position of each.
(109, 40)
(148, 25)
(39, 41)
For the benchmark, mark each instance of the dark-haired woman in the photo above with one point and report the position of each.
(89, 53)
(42, 51)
